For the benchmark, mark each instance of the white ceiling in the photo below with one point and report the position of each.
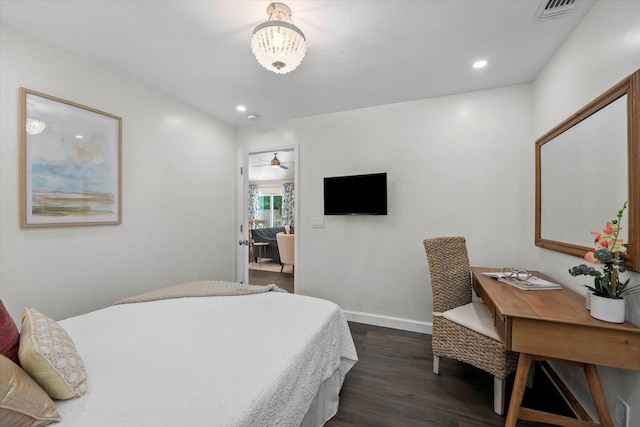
(360, 53)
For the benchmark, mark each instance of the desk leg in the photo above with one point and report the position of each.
(593, 379)
(520, 382)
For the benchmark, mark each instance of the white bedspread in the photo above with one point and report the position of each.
(254, 360)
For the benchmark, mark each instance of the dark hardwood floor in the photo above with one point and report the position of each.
(393, 385)
(266, 277)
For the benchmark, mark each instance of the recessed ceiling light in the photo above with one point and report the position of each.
(241, 108)
(479, 64)
(253, 117)
(79, 136)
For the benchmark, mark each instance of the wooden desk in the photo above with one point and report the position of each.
(555, 324)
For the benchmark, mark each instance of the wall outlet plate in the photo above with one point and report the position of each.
(621, 413)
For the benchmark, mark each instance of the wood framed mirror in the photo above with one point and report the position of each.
(586, 168)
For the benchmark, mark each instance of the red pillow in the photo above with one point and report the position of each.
(9, 336)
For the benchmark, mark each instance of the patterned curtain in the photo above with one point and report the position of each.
(288, 203)
(254, 201)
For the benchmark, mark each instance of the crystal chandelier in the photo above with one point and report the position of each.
(278, 45)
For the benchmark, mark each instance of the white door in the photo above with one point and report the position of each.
(242, 273)
(243, 203)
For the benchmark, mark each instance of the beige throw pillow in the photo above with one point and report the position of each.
(22, 402)
(48, 354)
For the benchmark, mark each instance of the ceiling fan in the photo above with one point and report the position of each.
(275, 163)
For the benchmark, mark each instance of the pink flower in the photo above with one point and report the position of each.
(610, 229)
(603, 244)
(606, 239)
(589, 256)
(618, 247)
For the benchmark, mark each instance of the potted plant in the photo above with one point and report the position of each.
(608, 290)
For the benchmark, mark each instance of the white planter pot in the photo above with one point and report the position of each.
(607, 309)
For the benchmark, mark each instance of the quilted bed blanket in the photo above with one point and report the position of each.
(259, 359)
(200, 288)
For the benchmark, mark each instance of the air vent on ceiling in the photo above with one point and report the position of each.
(551, 9)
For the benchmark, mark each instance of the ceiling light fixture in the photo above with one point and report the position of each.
(278, 45)
(479, 64)
(241, 108)
(275, 163)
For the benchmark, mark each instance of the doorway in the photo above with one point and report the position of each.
(269, 196)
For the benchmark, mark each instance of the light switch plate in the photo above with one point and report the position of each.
(317, 222)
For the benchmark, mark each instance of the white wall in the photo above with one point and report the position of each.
(601, 51)
(458, 165)
(178, 210)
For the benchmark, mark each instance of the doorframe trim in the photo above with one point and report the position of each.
(242, 187)
(296, 194)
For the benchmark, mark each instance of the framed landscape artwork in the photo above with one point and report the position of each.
(70, 166)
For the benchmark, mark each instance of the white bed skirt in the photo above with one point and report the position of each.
(325, 405)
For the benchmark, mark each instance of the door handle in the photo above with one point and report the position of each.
(243, 242)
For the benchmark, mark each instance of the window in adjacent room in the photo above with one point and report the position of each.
(271, 209)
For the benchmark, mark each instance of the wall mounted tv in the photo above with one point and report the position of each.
(356, 195)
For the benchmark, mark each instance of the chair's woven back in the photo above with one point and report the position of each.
(450, 272)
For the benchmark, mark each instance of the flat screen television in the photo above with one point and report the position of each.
(356, 195)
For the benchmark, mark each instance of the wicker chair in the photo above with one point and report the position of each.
(462, 329)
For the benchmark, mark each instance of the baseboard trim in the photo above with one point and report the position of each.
(389, 322)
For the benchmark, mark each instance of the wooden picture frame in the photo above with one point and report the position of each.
(70, 163)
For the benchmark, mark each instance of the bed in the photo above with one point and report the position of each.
(262, 359)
